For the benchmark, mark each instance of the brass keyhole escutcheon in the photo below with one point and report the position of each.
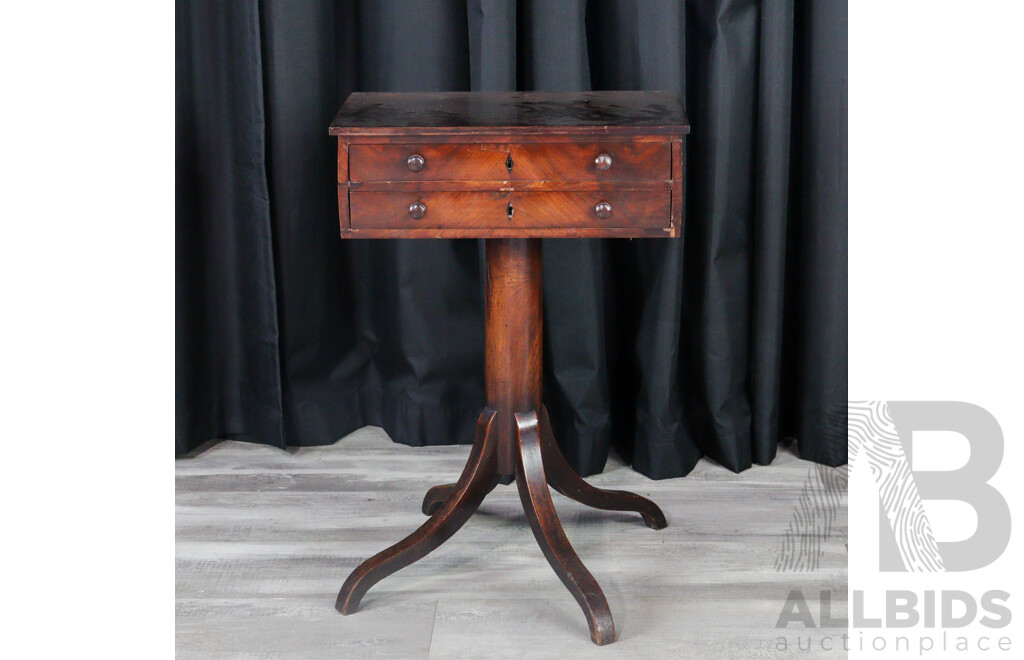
(508, 166)
(509, 210)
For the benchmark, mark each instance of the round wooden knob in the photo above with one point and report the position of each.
(415, 162)
(603, 209)
(418, 209)
(603, 162)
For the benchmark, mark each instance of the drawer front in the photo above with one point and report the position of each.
(529, 210)
(552, 161)
(428, 162)
(592, 161)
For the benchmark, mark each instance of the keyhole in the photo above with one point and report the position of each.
(508, 166)
(510, 211)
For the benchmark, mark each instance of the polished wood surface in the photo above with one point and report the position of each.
(441, 162)
(511, 168)
(490, 190)
(579, 161)
(478, 478)
(540, 511)
(511, 211)
(624, 113)
(511, 163)
(563, 479)
(427, 151)
(514, 328)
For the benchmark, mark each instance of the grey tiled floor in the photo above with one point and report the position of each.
(266, 537)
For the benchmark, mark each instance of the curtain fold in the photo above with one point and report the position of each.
(228, 374)
(719, 344)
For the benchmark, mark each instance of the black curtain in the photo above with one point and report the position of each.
(720, 344)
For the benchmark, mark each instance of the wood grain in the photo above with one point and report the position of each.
(678, 178)
(563, 479)
(514, 327)
(343, 188)
(479, 161)
(446, 145)
(575, 161)
(504, 136)
(610, 112)
(513, 232)
(563, 161)
(547, 529)
(478, 479)
(452, 210)
(505, 185)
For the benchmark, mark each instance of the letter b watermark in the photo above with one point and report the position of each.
(883, 431)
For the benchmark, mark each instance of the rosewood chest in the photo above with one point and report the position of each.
(511, 168)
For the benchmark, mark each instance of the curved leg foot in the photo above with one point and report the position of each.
(476, 481)
(436, 496)
(540, 511)
(564, 479)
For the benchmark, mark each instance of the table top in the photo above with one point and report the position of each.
(609, 112)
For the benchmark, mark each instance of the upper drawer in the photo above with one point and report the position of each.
(547, 161)
(428, 162)
(592, 161)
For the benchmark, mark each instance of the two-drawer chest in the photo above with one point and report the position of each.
(511, 168)
(508, 165)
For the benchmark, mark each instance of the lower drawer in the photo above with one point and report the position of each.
(510, 210)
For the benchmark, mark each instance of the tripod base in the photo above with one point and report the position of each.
(513, 442)
(539, 463)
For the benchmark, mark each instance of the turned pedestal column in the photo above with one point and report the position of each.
(513, 442)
